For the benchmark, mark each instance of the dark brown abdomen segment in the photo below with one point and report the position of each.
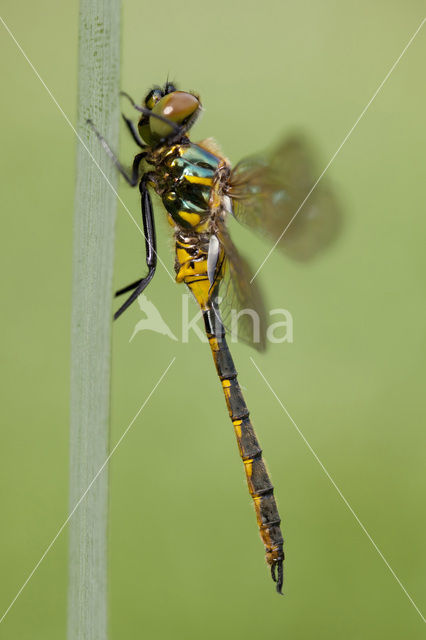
(259, 483)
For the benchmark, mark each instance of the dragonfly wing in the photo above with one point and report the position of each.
(240, 302)
(277, 195)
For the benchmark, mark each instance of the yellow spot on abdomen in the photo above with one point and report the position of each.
(249, 467)
(237, 427)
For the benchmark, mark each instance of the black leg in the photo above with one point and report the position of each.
(131, 180)
(150, 246)
(134, 179)
(133, 132)
(129, 287)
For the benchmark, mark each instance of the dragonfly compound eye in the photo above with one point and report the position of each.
(178, 107)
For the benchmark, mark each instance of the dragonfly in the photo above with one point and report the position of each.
(199, 190)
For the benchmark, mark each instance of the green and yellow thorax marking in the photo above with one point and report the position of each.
(188, 183)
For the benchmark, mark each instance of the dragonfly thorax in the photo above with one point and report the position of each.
(189, 183)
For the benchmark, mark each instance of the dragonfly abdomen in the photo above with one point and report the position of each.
(258, 481)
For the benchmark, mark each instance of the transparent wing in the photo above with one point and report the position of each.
(240, 302)
(267, 192)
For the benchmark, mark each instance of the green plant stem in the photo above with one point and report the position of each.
(95, 205)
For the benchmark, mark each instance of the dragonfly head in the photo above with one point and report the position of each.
(179, 107)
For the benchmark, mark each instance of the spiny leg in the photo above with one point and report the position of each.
(150, 246)
(132, 180)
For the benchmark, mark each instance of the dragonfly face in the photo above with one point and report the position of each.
(274, 194)
(179, 107)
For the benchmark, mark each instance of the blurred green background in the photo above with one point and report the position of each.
(185, 558)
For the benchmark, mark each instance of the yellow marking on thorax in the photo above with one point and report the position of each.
(203, 227)
(198, 180)
(192, 218)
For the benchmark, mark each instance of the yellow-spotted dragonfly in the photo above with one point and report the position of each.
(199, 190)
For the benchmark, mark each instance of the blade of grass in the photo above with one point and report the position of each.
(94, 222)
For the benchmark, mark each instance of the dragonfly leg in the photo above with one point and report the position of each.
(132, 180)
(129, 287)
(133, 132)
(150, 247)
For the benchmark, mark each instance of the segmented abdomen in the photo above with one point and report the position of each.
(191, 268)
(259, 483)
